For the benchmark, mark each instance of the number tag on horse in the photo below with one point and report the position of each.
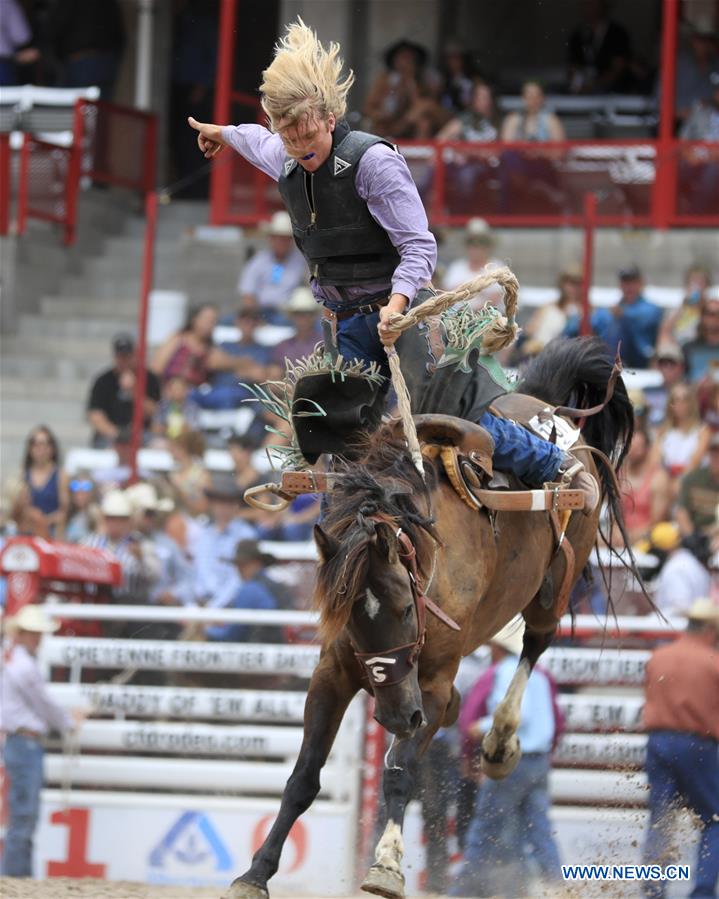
(375, 666)
(566, 435)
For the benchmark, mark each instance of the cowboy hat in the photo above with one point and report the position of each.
(478, 231)
(224, 489)
(511, 637)
(116, 504)
(302, 300)
(705, 610)
(250, 551)
(280, 225)
(143, 498)
(33, 618)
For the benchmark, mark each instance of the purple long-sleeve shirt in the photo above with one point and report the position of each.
(384, 181)
(14, 30)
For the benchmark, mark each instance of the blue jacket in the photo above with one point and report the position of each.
(636, 329)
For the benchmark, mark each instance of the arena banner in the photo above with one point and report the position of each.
(587, 712)
(177, 655)
(190, 841)
(601, 751)
(280, 706)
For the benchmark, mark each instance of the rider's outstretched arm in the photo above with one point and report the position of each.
(254, 142)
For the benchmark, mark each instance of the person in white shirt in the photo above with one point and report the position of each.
(27, 714)
(479, 241)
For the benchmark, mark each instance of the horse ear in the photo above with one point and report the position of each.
(386, 542)
(326, 546)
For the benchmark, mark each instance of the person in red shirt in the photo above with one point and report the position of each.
(681, 714)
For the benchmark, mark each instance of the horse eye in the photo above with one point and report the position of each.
(408, 612)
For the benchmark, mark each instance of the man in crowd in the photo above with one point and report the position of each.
(632, 324)
(216, 577)
(111, 401)
(702, 353)
(511, 815)
(271, 275)
(27, 714)
(681, 714)
(303, 311)
(698, 504)
(257, 591)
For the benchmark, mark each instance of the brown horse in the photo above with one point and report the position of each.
(391, 541)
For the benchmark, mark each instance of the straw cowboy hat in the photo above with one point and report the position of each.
(143, 498)
(32, 618)
(116, 504)
(511, 637)
(302, 300)
(280, 225)
(705, 610)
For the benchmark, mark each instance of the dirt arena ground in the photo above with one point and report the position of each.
(66, 888)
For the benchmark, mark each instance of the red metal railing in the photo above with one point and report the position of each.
(5, 181)
(111, 144)
(526, 184)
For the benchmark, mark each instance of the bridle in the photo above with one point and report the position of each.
(391, 666)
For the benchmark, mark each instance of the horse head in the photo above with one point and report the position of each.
(384, 614)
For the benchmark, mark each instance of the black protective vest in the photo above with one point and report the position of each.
(332, 225)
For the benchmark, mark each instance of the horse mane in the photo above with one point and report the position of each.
(384, 481)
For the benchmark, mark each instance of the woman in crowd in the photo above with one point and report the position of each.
(478, 122)
(43, 499)
(646, 498)
(550, 320)
(680, 326)
(683, 441)
(190, 354)
(84, 509)
(402, 101)
(534, 122)
(190, 478)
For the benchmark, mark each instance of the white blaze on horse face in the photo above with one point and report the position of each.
(390, 848)
(371, 605)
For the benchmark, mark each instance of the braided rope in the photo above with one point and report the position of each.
(500, 333)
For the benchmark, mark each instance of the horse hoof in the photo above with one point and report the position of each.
(384, 882)
(240, 889)
(503, 762)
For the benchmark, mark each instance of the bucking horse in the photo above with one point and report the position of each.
(412, 577)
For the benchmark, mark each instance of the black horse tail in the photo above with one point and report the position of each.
(576, 373)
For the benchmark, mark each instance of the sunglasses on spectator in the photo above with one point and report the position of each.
(79, 485)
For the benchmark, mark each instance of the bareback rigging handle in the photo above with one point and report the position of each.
(252, 492)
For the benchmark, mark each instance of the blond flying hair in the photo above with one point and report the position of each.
(303, 80)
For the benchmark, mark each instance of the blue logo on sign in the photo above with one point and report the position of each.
(192, 840)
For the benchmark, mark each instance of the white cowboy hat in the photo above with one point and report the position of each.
(280, 225)
(116, 505)
(302, 300)
(510, 638)
(703, 609)
(32, 617)
(143, 497)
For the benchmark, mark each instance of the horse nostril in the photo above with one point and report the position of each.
(417, 720)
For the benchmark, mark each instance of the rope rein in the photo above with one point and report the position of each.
(500, 333)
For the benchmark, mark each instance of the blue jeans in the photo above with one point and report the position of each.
(23, 765)
(683, 769)
(510, 829)
(516, 449)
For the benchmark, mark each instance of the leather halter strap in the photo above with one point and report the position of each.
(402, 659)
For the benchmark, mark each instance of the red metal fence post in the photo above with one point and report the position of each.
(22, 186)
(220, 176)
(665, 181)
(4, 183)
(590, 221)
(138, 412)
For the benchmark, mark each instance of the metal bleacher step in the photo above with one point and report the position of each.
(89, 326)
(124, 309)
(42, 388)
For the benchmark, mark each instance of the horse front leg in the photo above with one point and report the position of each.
(329, 694)
(385, 877)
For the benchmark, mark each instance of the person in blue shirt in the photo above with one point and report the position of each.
(510, 828)
(257, 591)
(632, 325)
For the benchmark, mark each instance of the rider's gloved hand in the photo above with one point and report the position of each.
(576, 477)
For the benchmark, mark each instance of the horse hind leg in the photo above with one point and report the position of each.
(501, 751)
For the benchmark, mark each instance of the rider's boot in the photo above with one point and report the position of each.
(573, 473)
